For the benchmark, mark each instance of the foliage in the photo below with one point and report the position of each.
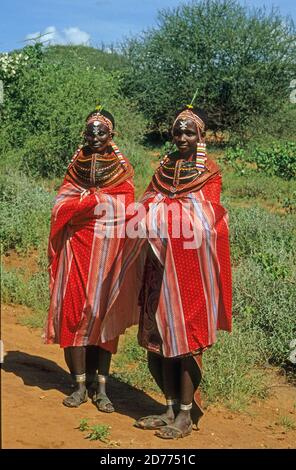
(25, 213)
(99, 432)
(231, 372)
(108, 59)
(130, 365)
(225, 51)
(264, 296)
(32, 292)
(253, 230)
(278, 158)
(289, 203)
(83, 425)
(43, 122)
(255, 188)
(263, 247)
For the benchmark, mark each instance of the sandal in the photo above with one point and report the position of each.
(75, 399)
(153, 422)
(172, 432)
(103, 403)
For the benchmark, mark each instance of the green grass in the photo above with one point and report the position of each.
(288, 423)
(25, 212)
(99, 432)
(270, 192)
(32, 292)
(231, 368)
(130, 364)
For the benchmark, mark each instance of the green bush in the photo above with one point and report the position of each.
(289, 203)
(225, 51)
(45, 107)
(265, 299)
(25, 212)
(32, 292)
(231, 368)
(255, 230)
(263, 247)
(278, 159)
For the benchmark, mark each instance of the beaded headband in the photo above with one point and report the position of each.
(98, 117)
(188, 114)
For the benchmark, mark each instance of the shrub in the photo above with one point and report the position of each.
(279, 159)
(45, 108)
(25, 214)
(265, 298)
(223, 50)
(32, 292)
(255, 230)
(230, 368)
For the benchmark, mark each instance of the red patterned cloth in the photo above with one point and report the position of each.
(194, 297)
(81, 262)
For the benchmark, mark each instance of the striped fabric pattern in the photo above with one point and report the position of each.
(81, 262)
(196, 295)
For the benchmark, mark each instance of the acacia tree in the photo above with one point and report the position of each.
(240, 61)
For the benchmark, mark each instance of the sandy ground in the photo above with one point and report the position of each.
(34, 382)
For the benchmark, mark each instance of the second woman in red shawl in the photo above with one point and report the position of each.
(81, 257)
(186, 289)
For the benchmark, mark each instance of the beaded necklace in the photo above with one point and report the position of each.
(173, 177)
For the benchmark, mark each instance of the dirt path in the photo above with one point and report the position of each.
(34, 382)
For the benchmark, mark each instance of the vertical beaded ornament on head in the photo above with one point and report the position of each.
(101, 118)
(98, 117)
(188, 113)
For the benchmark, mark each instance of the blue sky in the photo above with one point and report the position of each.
(90, 21)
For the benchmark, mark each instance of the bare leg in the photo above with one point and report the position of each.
(68, 360)
(183, 419)
(101, 399)
(182, 425)
(92, 364)
(170, 368)
(167, 368)
(76, 357)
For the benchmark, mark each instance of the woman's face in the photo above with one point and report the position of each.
(97, 135)
(185, 136)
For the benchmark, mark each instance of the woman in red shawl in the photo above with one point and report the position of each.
(186, 289)
(82, 251)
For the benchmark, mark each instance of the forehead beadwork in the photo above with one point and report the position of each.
(188, 114)
(183, 125)
(98, 118)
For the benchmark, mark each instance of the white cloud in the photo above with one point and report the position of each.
(76, 36)
(71, 35)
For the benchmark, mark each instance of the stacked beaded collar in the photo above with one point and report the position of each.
(96, 170)
(178, 177)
